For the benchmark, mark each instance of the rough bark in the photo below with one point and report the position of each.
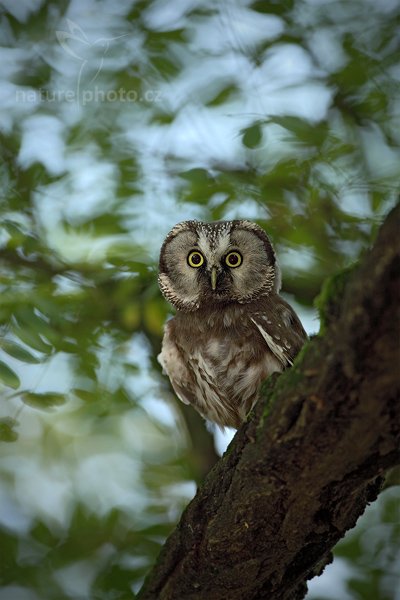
(302, 470)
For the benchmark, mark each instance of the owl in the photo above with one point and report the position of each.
(231, 329)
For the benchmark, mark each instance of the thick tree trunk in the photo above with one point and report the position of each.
(302, 470)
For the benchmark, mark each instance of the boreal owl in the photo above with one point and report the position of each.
(231, 329)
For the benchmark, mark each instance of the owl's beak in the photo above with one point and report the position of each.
(214, 278)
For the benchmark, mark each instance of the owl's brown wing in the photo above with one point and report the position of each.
(173, 364)
(281, 329)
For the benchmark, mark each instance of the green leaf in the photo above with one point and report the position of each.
(7, 433)
(18, 352)
(273, 7)
(85, 395)
(311, 134)
(252, 136)
(43, 401)
(197, 176)
(32, 339)
(8, 377)
(223, 96)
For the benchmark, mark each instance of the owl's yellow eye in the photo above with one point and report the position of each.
(195, 259)
(233, 259)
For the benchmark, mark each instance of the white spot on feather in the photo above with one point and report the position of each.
(214, 243)
(273, 346)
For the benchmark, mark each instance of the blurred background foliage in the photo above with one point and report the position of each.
(118, 120)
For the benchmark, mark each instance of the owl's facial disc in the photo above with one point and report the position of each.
(226, 261)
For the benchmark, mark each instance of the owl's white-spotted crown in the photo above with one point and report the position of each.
(223, 262)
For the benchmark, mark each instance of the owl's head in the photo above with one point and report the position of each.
(216, 263)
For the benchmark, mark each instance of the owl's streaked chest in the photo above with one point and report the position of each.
(223, 359)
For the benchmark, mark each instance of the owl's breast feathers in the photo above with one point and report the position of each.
(217, 359)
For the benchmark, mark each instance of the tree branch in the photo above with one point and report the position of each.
(301, 471)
